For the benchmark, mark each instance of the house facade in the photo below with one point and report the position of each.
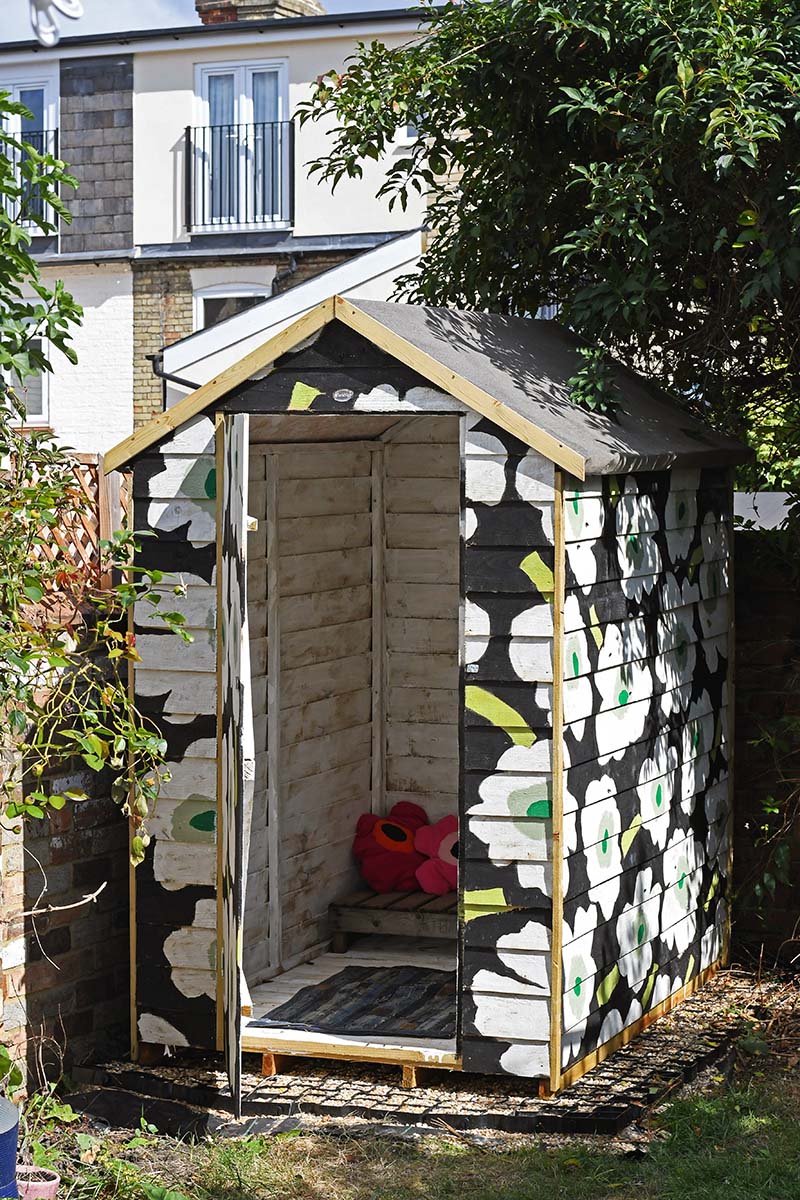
(194, 201)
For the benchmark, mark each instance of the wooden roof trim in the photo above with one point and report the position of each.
(462, 389)
(239, 372)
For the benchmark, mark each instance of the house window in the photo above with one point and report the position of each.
(215, 304)
(34, 392)
(38, 130)
(242, 147)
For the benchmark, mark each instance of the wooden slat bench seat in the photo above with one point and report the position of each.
(405, 914)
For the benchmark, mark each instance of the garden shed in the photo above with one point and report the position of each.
(418, 574)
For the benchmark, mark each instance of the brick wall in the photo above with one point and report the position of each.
(767, 688)
(163, 310)
(96, 139)
(64, 975)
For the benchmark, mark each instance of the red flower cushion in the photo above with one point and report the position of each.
(439, 873)
(384, 848)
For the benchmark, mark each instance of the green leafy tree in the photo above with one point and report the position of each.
(64, 639)
(635, 163)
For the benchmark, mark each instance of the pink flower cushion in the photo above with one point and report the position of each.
(384, 848)
(439, 874)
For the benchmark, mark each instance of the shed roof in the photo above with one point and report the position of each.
(513, 370)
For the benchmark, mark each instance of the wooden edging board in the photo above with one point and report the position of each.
(441, 1060)
(631, 1031)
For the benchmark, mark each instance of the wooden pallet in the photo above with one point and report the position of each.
(415, 1070)
(402, 914)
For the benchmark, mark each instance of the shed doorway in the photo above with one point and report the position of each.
(354, 612)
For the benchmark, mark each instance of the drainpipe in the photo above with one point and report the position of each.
(157, 363)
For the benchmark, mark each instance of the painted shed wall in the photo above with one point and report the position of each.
(506, 839)
(174, 490)
(646, 807)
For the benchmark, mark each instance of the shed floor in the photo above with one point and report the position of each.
(371, 950)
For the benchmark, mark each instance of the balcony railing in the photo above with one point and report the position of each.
(239, 176)
(30, 203)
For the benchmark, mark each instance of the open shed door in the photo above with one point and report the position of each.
(236, 761)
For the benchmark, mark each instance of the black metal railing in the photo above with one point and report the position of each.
(239, 175)
(29, 204)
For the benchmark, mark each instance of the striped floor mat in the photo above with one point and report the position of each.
(413, 1002)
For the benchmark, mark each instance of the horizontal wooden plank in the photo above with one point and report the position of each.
(188, 476)
(422, 600)
(301, 685)
(318, 608)
(510, 1017)
(189, 779)
(198, 606)
(422, 531)
(423, 566)
(182, 692)
(421, 670)
(534, 619)
(510, 524)
(334, 784)
(177, 520)
(422, 461)
(417, 636)
(422, 495)
(316, 460)
(326, 497)
(492, 477)
(330, 642)
(497, 659)
(423, 740)
(517, 839)
(342, 711)
(418, 774)
(313, 755)
(640, 679)
(438, 706)
(189, 820)
(305, 536)
(166, 651)
(421, 429)
(325, 571)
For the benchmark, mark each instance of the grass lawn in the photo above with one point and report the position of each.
(724, 1139)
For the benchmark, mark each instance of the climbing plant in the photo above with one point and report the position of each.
(65, 640)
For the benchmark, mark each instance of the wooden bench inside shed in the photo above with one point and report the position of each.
(404, 914)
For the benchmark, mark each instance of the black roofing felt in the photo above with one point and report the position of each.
(526, 364)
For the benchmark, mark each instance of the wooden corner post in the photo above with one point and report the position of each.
(559, 588)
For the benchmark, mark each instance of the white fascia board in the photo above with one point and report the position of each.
(203, 355)
(169, 42)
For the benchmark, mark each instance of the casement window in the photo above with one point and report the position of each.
(241, 146)
(215, 304)
(34, 393)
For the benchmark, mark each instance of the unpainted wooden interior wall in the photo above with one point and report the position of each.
(320, 504)
(422, 489)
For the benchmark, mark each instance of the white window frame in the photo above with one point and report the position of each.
(17, 79)
(217, 290)
(243, 73)
(42, 421)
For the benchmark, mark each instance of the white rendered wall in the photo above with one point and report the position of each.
(91, 404)
(164, 105)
